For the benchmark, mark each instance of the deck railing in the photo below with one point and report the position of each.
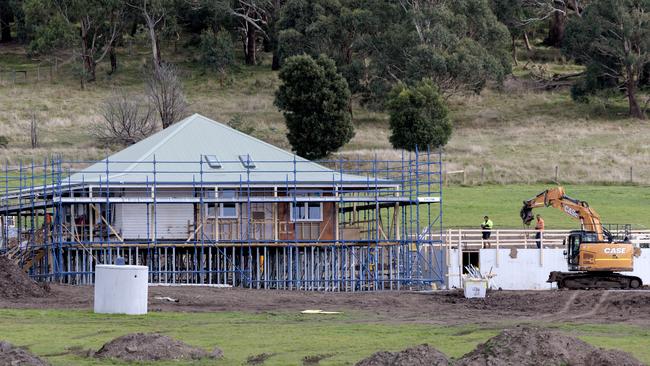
(472, 239)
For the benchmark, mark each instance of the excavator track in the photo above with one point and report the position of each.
(594, 280)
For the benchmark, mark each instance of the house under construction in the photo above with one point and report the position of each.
(201, 203)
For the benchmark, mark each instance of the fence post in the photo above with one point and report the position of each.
(631, 174)
(463, 176)
(497, 252)
(482, 175)
(541, 249)
(557, 174)
(525, 239)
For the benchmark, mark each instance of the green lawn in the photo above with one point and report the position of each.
(288, 336)
(466, 206)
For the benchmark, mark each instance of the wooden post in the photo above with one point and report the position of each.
(557, 174)
(631, 174)
(460, 259)
(525, 240)
(482, 175)
(463, 177)
(497, 252)
(91, 221)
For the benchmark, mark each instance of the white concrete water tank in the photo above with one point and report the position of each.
(121, 289)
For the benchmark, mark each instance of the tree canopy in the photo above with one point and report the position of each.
(612, 38)
(418, 117)
(314, 99)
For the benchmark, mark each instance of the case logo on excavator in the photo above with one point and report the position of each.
(614, 250)
(570, 211)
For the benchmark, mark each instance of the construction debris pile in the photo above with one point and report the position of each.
(474, 273)
(152, 347)
(535, 346)
(422, 355)
(15, 283)
(512, 347)
(11, 355)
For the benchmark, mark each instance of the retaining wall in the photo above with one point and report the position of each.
(528, 269)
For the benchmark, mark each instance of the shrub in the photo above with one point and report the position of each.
(418, 117)
(216, 50)
(314, 99)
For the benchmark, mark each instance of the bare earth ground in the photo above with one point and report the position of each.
(442, 307)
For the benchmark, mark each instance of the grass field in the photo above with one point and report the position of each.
(289, 337)
(466, 206)
(514, 135)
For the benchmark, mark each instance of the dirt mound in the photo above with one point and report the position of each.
(533, 346)
(14, 356)
(152, 347)
(422, 355)
(258, 359)
(15, 283)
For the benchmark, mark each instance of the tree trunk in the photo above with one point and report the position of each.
(275, 63)
(556, 30)
(155, 50)
(113, 57)
(514, 50)
(158, 54)
(635, 109)
(251, 44)
(87, 53)
(134, 28)
(527, 42)
(91, 66)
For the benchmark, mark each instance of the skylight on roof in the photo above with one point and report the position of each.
(247, 161)
(213, 161)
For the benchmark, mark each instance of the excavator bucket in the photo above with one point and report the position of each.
(526, 214)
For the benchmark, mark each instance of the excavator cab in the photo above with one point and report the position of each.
(574, 241)
(573, 248)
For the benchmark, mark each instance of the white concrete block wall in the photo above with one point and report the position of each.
(454, 269)
(530, 269)
(642, 266)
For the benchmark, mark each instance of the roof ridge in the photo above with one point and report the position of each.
(298, 157)
(179, 127)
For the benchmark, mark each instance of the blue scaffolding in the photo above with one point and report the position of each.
(372, 225)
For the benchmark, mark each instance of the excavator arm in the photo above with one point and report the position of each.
(556, 198)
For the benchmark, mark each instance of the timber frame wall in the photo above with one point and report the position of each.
(382, 232)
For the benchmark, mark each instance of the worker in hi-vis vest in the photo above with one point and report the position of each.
(486, 226)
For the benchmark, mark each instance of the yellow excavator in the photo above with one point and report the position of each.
(594, 255)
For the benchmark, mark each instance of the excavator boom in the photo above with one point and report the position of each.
(576, 209)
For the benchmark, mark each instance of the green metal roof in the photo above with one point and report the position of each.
(179, 152)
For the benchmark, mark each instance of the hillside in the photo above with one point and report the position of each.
(514, 135)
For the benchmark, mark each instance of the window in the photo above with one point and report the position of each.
(228, 210)
(213, 161)
(307, 211)
(247, 161)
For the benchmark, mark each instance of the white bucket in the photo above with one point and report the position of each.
(121, 289)
(475, 288)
